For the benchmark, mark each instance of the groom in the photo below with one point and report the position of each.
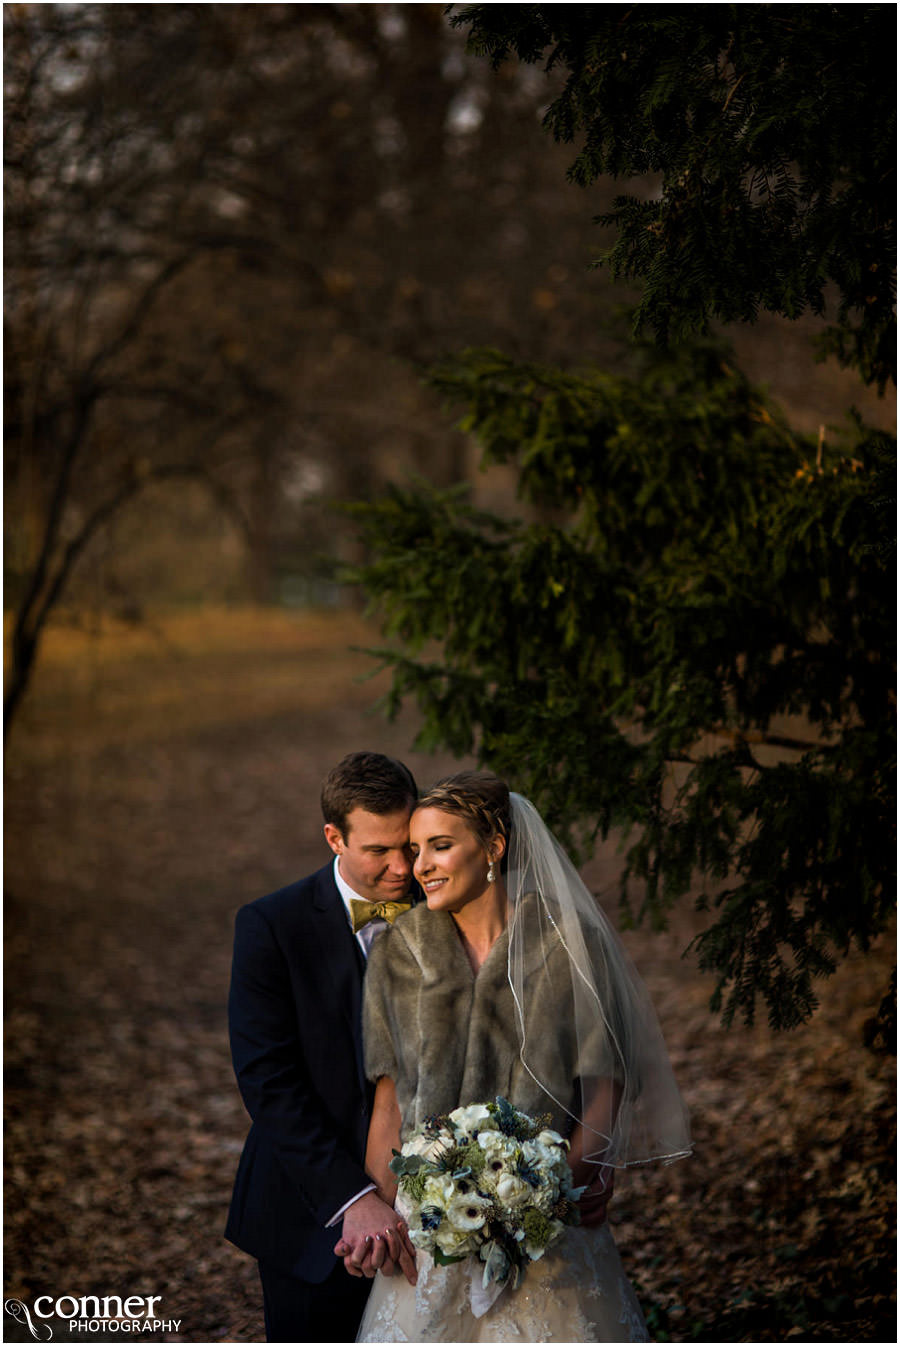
(294, 1018)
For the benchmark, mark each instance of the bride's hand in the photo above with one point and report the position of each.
(386, 1252)
(393, 1250)
(375, 1238)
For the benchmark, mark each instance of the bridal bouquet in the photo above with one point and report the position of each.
(487, 1181)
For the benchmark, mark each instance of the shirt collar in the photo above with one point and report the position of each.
(344, 889)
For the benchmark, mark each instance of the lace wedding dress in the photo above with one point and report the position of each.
(577, 1291)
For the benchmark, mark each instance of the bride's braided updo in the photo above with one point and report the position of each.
(480, 798)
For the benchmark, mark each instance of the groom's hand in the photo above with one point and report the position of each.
(375, 1238)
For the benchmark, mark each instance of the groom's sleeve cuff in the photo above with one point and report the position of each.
(347, 1204)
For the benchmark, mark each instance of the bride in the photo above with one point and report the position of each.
(508, 980)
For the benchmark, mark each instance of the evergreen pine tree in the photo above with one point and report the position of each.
(693, 639)
(773, 130)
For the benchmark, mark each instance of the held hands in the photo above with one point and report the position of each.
(375, 1238)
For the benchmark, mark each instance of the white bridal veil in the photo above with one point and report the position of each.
(629, 1107)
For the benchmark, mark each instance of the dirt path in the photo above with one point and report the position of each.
(159, 779)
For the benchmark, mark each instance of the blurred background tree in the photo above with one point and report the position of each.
(233, 236)
(693, 638)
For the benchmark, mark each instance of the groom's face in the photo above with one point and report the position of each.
(374, 853)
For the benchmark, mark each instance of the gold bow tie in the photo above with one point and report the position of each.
(361, 913)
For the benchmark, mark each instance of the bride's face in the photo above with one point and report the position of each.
(448, 859)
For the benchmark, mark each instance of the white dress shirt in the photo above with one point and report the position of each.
(374, 927)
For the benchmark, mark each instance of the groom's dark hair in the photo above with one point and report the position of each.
(366, 780)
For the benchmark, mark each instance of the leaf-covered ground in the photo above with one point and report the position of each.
(159, 778)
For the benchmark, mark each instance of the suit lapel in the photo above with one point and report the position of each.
(341, 956)
(340, 953)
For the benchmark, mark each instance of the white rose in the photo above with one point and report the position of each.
(455, 1242)
(495, 1141)
(429, 1147)
(512, 1191)
(473, 1118)
(438, 1191)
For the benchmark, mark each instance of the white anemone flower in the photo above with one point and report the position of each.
(468, 1211)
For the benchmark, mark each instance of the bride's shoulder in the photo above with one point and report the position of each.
(420, 929)
(413, 936)
(412, 923)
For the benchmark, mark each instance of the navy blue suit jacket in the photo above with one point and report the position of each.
(294, 1017)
